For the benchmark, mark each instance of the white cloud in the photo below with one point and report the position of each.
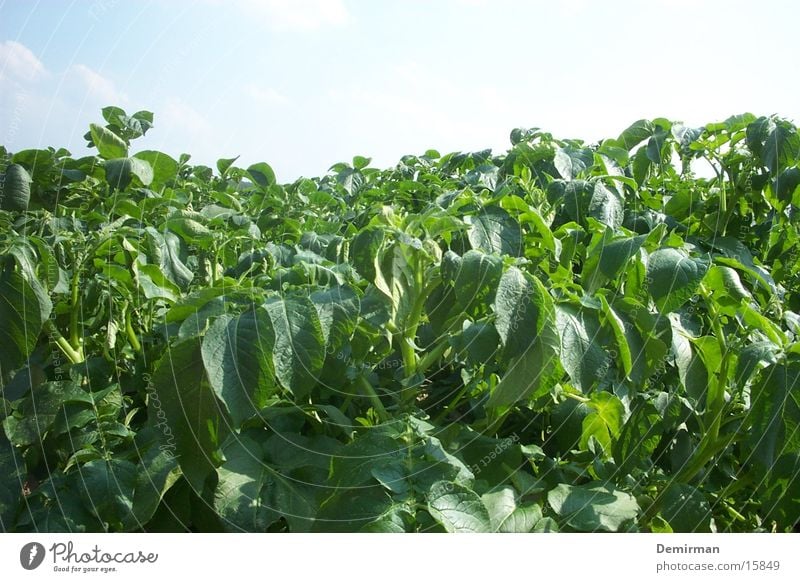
(265, 96)
(178, 117)
(304, 15)
(97, 86)
(17, 60)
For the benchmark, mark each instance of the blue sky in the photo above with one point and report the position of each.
(302, 84)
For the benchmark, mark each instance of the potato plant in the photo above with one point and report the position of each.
(561, 337)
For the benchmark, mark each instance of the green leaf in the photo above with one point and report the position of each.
(531, 374)
(571, 162)
(338, 309)
(251, 495)
(608, 258)
(154, 284)
(184, 407)
(35, 415)
(523, 307)
(506, 516)
(639, 438)
(299, 351)
(24, 308)
(582, 354)
(237, 353)
(604, 422)
(692, 371)
(166, 251)
(635, 134)
(775, 414)
(673, 277)
(458, 509)
(617, 326)
(493, 230)
(686, 509)
(593, 506)
(606, 205)
(191, 231)
(11, 484)
(223, 164)
(164, 168)
(108, 143)
(15, 194)
(121, 171)
(476, 277)
(262, 174)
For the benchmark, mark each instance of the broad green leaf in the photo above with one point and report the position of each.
(604, 422)
(35, 416)
(108, 143)
(523, 307)
(190, 230)
(571, 162)
(493, 230)
(120, 172)
(182, 404)
(635, 134)
(692, 371)
(166, 252)
(458, 509)
(639, 438)
(506, 516)
(617, 326)
(15, 194)
(477, 343)
(223, 164)
(164, 167)
(476, 277)
(299, 351)
(251, 494)
(673, 277)
(532, 373)
(775, 414)
(593, 506)
(338, 309)
(608, 259)
(24, 308)
(11, 484)
(725, 281)
(154, 284)
(686, 509)
(606, 205)
(582, 353)
(262, 174)
(237, 354)
(364, 251)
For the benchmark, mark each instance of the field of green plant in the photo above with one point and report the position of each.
(562, 337)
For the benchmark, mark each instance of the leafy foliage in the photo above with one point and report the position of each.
(563, 337)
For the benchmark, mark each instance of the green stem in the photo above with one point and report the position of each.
(370, 393)
(432, 356)
(74, 321)
(134, 341)
(74, 356)
(453, 404)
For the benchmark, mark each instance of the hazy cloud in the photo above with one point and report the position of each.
(97, 86)
(17, 61)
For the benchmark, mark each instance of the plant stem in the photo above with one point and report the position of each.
(73, 355)
(432, 356)
(453, 404)
(370, 393)
(74, 336)
(134, 341)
